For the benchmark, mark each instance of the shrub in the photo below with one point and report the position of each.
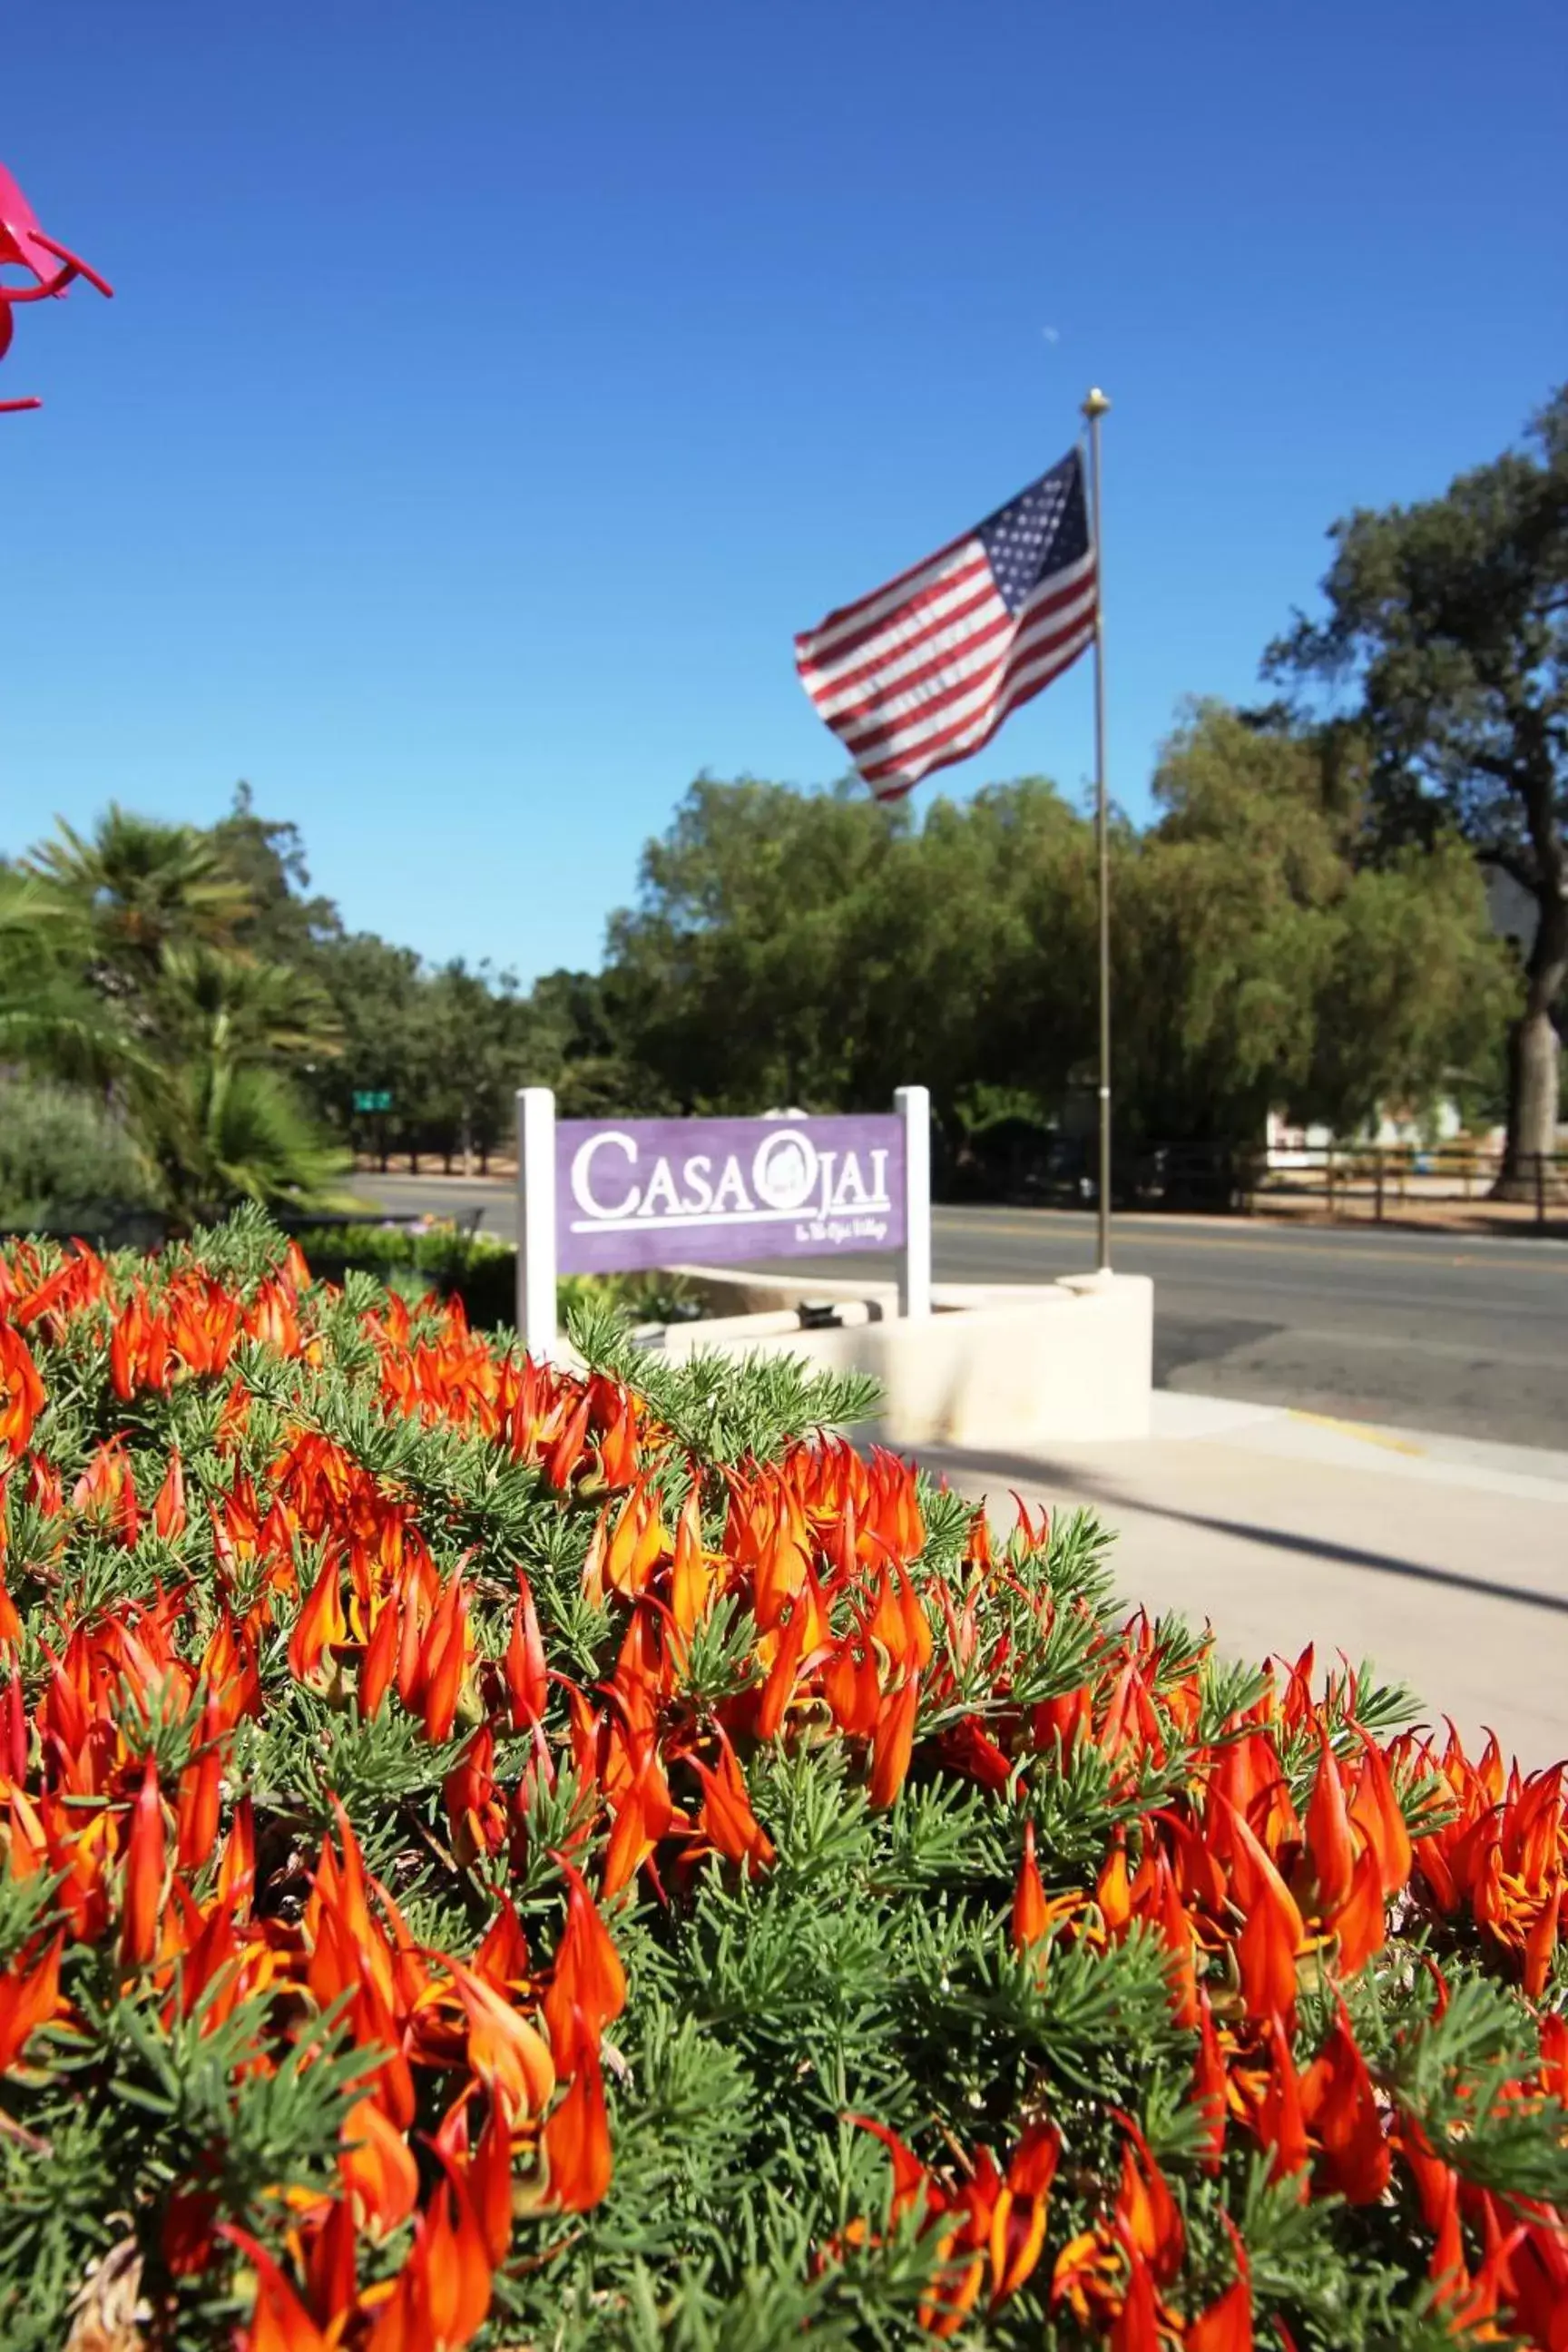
(481, 1270)
(492, 1853)
(64, 1155)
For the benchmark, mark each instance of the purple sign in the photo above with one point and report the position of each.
(659, 1191)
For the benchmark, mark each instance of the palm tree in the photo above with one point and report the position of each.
(118, 969)
(50, 1015)
(221, 1130)
(249, 1010)
(215, 1111)
(141, 887)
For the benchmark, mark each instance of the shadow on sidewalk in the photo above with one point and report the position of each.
(984, 1467)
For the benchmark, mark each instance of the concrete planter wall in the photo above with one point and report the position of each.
(995, 1368)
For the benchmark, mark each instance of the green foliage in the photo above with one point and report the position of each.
(1263, 965)
(65, 1156)
(120, 958)
(1450, 620)
(868, 1969)
(481, 1271)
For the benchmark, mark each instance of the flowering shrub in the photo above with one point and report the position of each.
(491, 1853)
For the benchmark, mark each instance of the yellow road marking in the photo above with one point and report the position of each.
(1358, 1429)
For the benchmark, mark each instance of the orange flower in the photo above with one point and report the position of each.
(280, 2321)
(138, 1348)
(633, 1548)
(144, 1858)
(1331, 1848)
(28, 1998)
(320, 1623)
(1338, 2104)
(169, 1507)
(1227, 2324)
(893, 1741)
(1017, 2229)
(1272, 1934)
(691, 1579)
(21, 1391)
(725, 1815)
(527, 1681)
(642, 1818)
(1147, 2217)
(778, 1687)
(106, 1493)
(378, 1659)
(505, 2052)
(1377, 1809)
(442, 2296)
(577, 2140)
(1031, 1912)
(196, 1805)
(588, 1989)
(443, 1658)
(1280, 2125)
(1210, 2086)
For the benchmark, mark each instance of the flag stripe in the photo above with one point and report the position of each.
(952, 664)
(972, 654)
(961, 741)
(923, 671)
(862, 648)
(812, 643)
(1023, 690)
(982, 613)
(929, 727)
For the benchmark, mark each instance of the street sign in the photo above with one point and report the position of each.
(372, 1098)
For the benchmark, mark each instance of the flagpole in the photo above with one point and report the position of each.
(1094, 408)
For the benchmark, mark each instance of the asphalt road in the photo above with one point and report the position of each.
(1467, 1336)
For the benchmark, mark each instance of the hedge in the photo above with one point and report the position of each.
(503, 1857)
(480, 1270)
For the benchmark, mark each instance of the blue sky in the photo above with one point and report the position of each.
(492, 390)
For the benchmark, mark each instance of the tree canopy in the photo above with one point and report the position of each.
(1450, 620)
(815, 949)
(1303, 926)
(787, 949)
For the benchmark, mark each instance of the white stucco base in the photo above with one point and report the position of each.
(994, 1369)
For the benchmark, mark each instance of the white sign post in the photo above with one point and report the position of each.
(536, 1221)
(914, 1107)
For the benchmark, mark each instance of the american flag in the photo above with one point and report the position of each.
(922, 672)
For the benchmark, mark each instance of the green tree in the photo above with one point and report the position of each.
(223, 1130)
(994, 976)
(141, 887)
(283, 921)
(574, 1034)
(134, 938)
(51, 1017)
(1257, 965)
(374, 987)
(746, 973)
(1451, 615)
(468, 1047)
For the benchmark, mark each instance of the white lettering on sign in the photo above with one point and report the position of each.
(823, 1192)
(583, 1171)
(696, 1175)
(662, 1194)
(731, 1188)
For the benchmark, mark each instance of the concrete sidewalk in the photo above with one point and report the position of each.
(1442, 1561)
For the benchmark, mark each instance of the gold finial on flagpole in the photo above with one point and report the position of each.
(1095, 403)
